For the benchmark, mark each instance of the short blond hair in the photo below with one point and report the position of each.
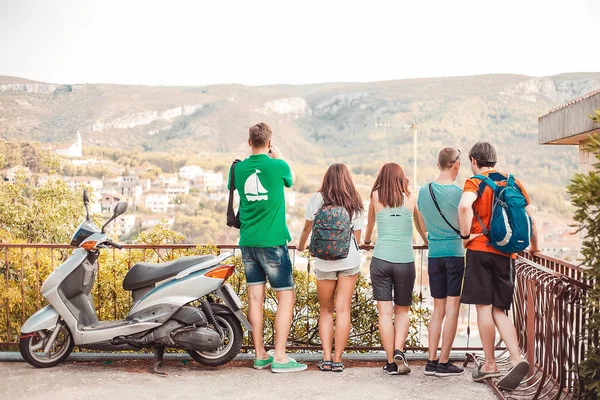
(447, 158)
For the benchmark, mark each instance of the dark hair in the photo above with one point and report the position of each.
(447, 157)
(484, 153)
(338, 190)
(391, 184)
(260, 135)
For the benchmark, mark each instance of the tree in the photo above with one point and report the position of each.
(584, 190)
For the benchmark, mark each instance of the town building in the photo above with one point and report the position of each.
(152, 220)
(157, 201)
(190, 172)
(74, 149)
(10, 175)
(209, 181)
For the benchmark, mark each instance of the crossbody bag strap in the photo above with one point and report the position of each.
(440, 211)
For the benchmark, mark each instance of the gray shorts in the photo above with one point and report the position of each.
(333, 275)
(393, 281)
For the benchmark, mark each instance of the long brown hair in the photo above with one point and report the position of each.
(338, 190)
(391, 184)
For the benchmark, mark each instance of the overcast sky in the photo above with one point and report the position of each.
(259, 42)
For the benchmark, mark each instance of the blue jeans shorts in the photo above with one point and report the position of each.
(273, 263)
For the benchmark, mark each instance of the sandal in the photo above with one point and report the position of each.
(325, 366)
(337, 367)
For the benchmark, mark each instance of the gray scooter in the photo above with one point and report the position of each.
(161, 315)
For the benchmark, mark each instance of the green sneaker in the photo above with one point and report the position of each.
(262, 364)
(290, 366)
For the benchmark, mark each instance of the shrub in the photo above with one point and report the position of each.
(585, 190)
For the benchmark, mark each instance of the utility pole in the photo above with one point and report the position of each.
(406, 127)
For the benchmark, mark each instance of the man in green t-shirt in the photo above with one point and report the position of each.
(260, 180)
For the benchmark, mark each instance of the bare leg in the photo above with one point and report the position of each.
(435, 326)
(401, 325)
(283, 322)
(345, 290)
(326, 294)
(508, 333)
(256, 299)
(386, 328)
(450, 325)
(487, 333)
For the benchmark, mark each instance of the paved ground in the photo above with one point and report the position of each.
(187, 380)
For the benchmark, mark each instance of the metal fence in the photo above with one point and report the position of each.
(547, 310)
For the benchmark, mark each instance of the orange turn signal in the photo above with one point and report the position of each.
(221, 272)
(89, 245)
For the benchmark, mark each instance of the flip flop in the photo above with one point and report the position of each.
(513, 379)
(325, 366)
(338, 367)
(479, 376)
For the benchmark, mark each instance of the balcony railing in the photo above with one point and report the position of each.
(547, 308)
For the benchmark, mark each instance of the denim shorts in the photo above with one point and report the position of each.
(273, 263)
(333, 275)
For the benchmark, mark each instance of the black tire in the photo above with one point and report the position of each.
(29, 355)
(232, 326)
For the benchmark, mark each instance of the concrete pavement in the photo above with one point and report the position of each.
(129, 379)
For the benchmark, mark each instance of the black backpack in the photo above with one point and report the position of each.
(233, 219)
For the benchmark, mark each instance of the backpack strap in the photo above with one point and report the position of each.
(233, 220)
(485, 181)
(440, 211)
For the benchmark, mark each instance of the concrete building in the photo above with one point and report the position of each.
(209, 181)
(76, 182)
(190, 172)
(157, 201)
(569, 124)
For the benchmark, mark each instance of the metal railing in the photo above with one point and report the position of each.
(24, 267)
(549, 318)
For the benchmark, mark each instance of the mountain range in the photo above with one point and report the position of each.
(313, 124)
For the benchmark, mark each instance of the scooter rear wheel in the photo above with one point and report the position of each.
(32, 347)
(232, 343)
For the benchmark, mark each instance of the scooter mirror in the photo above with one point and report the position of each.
(120, 208)
(86, 199)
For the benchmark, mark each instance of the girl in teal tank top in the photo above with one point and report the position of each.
(393, 273)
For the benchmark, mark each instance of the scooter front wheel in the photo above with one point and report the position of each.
(230, 347)
(33, 347)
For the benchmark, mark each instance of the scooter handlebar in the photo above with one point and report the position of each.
(113, 244)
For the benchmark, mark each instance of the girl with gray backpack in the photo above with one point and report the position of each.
(334, 217)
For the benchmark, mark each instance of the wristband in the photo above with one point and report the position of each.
(368, 242)
(465, 237)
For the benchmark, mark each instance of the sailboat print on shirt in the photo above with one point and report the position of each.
(253, 189)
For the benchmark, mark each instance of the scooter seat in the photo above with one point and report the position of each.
(145, 274)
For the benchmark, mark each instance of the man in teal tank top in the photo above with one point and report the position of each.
(446, 259)
(260, 181)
